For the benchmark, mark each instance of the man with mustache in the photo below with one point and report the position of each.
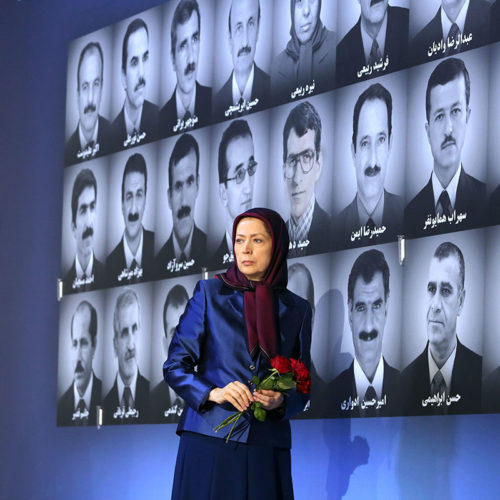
(446, 367)
(381, 33)
(185, 250)
(128, 399)
(369, 377)
(77, 406)
(247, 81)
(137, 122)
(237, 167)
(166, 404)
(373, 206)
(450, 192)
(132, 259)
(453, 20)
(308, 225)
(309, 55)
(190, 99)
(86, 272)
(90, 139)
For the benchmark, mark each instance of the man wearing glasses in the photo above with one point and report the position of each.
(302, 163)
(237, 167)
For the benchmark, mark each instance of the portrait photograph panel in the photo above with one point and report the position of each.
(442, 342)
(80, 361)
(369, 169)
(88, 96)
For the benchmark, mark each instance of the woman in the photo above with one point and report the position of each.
(231, 328)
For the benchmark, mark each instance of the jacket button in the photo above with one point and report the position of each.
(252, 367)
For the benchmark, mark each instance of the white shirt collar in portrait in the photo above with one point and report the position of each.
(229, 243)
(88, 270)
(87, 394)
(187, 249)
(460, 22)
(299, 230)
(451, 188)
(121, 386)
(376, 215)
(129, 256)
(181, 110)
(130, 126)
(368, 40)
(83, 141)
(362, 382)
(247, 91)
(446, 369)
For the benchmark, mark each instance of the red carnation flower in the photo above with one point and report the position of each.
(281, 364)
(301, 375)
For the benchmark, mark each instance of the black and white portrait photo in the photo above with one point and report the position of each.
(241, 73)
(80, 366)
(442, 335)
(441, 28)
(239, 176)
(300, 172)
(182, 204)
(131, 216)
(373, 39)
(84, 227)
(369, 164)
(304, 43)
(88, 100)
(136, 72)
(447, 147)
(186, 76)
(127, 355)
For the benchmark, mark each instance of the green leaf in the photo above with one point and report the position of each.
(256, 380)
(260, 414)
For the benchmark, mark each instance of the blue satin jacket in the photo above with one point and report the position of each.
(210, 349)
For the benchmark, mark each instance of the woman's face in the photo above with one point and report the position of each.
(252, 247)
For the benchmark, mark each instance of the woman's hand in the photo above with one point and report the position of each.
(236, 393)
(270, 399)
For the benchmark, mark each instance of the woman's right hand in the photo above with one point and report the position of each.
(236, 393)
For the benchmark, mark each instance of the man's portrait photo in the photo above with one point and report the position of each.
(77, 406)
(375, 215)
(447, 27)
(376, 44)
(370, 385)
(185, 250)
(131, 260)
(306, 50)
(90, 138)
(86, 271)
(446, 376)
(248, 86)
(137, 121)
(190, 104)
(166, 406)
(128, 399)
(453, 199)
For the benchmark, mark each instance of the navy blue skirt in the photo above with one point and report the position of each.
(208, 468)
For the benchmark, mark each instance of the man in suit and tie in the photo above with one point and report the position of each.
(446, 377)
(237, 167)
(373, 207)
(247, 81)
(86, 272)
(380, 34)
(191, 102)
(137, 122)
(452, 199)
(185, 250)
(77, 406)
(90, 139)
(308, 225)
(454, 22)
(128, 399)
(166, 405)
(131, 260)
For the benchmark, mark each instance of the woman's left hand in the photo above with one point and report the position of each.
(270, 399)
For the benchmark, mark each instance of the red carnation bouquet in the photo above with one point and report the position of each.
(286, 374)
